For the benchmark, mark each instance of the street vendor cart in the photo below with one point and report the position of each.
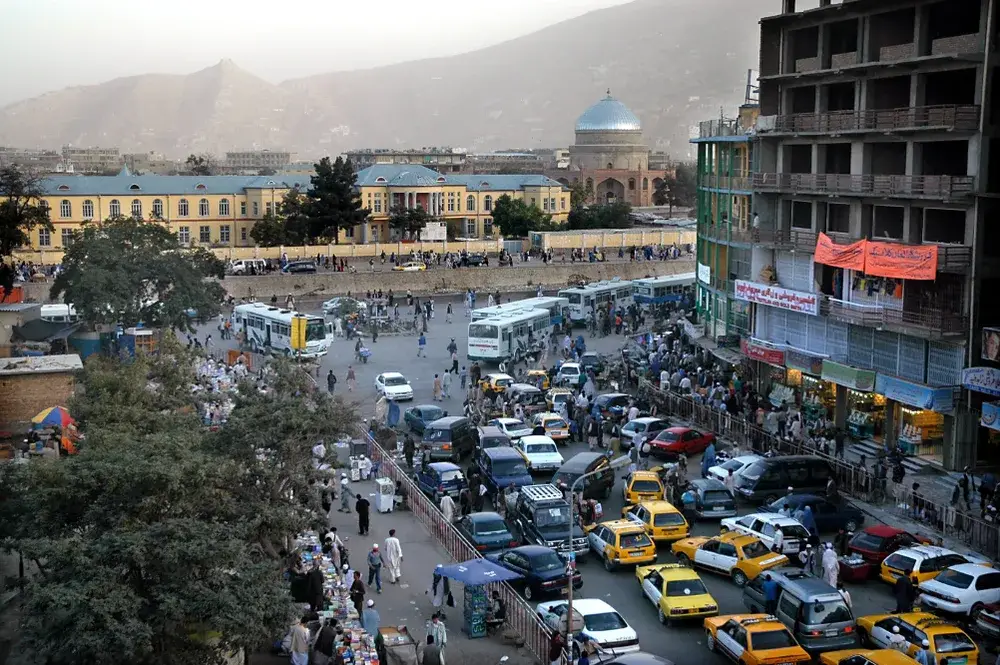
(396, 646)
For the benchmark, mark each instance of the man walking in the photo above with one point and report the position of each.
(770, 594)
(300, 643)
(357, 591)
(351, 379)
(362, 505)
(393, 555)
(331, 381)
(345, 494)
(421, 346)
(375, 568)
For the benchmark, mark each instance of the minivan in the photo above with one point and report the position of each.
(450, 438)
(492, 437)
(814, 611)
(767, 479)
(502, 467)
(248, 266)
(595, 487)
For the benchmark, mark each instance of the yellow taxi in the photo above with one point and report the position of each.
(621, 543)
(676, 592)
(556, 397)
(923, 562)
(865, 657)
(536, 375)
(496, 382)
(753, 639)
(733, 554)
(945, 638)
(662, 521)
(555, 427)
(642, 486)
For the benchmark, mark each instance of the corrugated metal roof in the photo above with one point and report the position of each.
(18, 306)
(67, 362)
(126, 184)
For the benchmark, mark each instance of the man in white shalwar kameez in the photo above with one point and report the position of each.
(448, 508)
(831, 567)
(393, 553)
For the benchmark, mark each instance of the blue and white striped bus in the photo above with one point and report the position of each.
(664, 289)
(558, 308)
(584, 299)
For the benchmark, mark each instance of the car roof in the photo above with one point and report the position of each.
(388, 375)
(974, 569)
(755, 622)
(581, 460)
(531, 551)
(612, 395)
(646, 419)
(427, 406)
(491, 430)
(814, 588)
(524, 386)
(929, 623)
(622, 525)
(587, 606)
(772, 518)
(444, 466)
(445, 421)
(658, 506)
(502, 453)
(676, 571)
(678, 430)
(883, 530)
(482, 517)
(499, 375)
(645, 475)
(736, 538)
(537, 438)
(509, 421)
(925, 551)
(707, 484)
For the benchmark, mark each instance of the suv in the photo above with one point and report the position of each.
(541, 516)
(813, 610)
(450, 438)
(597, 486)
(765, 480)
(501, 467)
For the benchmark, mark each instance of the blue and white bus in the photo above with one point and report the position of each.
(509, 337)
(664, 289)
(558, 308)
(584, 299)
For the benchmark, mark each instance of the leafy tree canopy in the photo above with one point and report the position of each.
(334, 204)
(21, 210)
(200, 164)
(610, 216)
(290, 226)
(680, 189)
(126, 271)
(516, 219)
(579, 194)
(409, 220)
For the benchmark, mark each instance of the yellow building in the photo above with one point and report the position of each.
(220, 211)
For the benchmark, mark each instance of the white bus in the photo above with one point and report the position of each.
(509, 337)
(558, 308)
(59, 314)
(583, 299)
(268, 329)
(664, 289)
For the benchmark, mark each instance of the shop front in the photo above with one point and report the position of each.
(816, 398)
(771, 371)
(986, 381)
(858, 407)
(918, 415)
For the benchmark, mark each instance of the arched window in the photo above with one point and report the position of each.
(645, 184)
(157, 208)
(65, 209)
(115, 208)
(137, 208)
(88, 209)
(611, 166)
(224, 208)
(631, 184)
(590, 183)
(487, 203)
(470, 203)
(203, 208)
(182, 208)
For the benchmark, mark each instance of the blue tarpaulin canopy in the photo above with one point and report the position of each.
(477, 571)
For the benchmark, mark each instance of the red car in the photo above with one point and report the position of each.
(675, 440)
(877, 542)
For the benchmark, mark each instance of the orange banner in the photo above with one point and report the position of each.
(830, 253)
(885, 259)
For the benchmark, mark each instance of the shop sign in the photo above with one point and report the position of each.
(776, 296)
(845, 375)
(879, 259)
(941, 400)
(704, 274)
(762, 353)
(693, 331)
(982, 380)
(991, 344)
(991, 415)
(804, 362)
(850, 257)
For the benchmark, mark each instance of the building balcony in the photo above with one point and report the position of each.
(936, 187)
(924, 323)
(723, 127)
(727, 233)
(939, 118)
(738, 181)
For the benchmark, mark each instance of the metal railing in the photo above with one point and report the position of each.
(739, 181)
(942, 187)
(953, 521)
(940, 117)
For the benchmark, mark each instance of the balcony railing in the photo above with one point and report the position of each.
(745, 234)
(944, 117)
(938, 187)
(739, 181)
(708, 129)
(932, 323)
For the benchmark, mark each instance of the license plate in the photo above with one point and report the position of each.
(792, 549)
(563, 591)
(636, 553)
(832, 633)
(718, 508)
(958, 661)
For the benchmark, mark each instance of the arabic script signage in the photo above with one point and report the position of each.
(759, 352)
(845, 375)
(776, 296)
(804, 362)
(941, 400)
(704, 274)
(879, 259)
(982, 380)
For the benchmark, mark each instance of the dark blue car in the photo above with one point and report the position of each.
(500, 467)
(440, 478)
(543, 572)
(418, 417)
(486, 531)
(829, 515)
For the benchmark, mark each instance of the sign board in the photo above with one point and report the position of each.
(916, 395)
(704, 274)
(990, 415)
(991, 344)
(982, 380)
(804, 362)
(777, 296)
(763, 353)
(845, 375)
(298, 340)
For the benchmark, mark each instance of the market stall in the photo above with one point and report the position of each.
(474, 575)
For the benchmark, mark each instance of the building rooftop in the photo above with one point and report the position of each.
(608, 115)
(68, 362)
(487, 183)
(126, 184)
(414, 175)
(19, 306)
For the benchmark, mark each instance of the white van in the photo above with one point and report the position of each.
(242, 266)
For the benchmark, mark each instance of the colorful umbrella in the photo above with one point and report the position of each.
(52, 416)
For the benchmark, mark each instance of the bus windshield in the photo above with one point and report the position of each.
(481, 331)
(574, 298)
(315, 330)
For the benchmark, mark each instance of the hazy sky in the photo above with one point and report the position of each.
(58, 43)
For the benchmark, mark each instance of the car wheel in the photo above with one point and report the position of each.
(863, 637)
(740, 578)
(754, 609)
(851, 525)
(975, 611)
(683, 559)
(662, 617)
(608, 565)
(723, 529)
(528, 593)
(710, 641)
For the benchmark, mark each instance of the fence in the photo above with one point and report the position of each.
(954, 521)
(521, 617)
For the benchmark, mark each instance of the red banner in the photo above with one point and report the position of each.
(851, 257)
(756, 352)
(885, 259)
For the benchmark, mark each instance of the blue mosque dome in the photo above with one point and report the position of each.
(608, 115)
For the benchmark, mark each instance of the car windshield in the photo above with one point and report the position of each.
(900, 562)
(555, 423)
(686, 588)
(482, 331)
(540, 448)
(552, 516)
(868, 542)
(451, 476)
(953, 578)
(755, 471)
(668, 519)
(953, 643)
(395, 381)
(503, 383)
(490, 527)
(509, 467)
(766, 640)
(430, 414)
(646, 486)
(833, 611)
(604, 621)
(435, 435)
(666, 436)
(546, 562)
(717, 496)
(733, 465)
(794, 531)
(755, 549)
(630, 540)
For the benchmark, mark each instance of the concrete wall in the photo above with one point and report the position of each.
(24, 395)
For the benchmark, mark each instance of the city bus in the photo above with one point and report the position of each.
(268, 329)
(509, 337)
(664, 289)
(583, 299)
(558, 308)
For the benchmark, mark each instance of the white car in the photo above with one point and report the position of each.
(962, 589)
(412, 266)
(737, 465)
(569, 375)
(540, 452)
(601, 623)
(512, 427)
(336, 305)
(647, 426)
(394, 386)
(794, 536)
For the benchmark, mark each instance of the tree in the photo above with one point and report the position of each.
(611, 216)
(679, 189)
(410, 221)
(269, 231)
(334, 202)
(289, 226)
(516, 219)
(579, 194)
(661, 192)
(266, 170)
(126, 271)
(200, 164)
(21, 211)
